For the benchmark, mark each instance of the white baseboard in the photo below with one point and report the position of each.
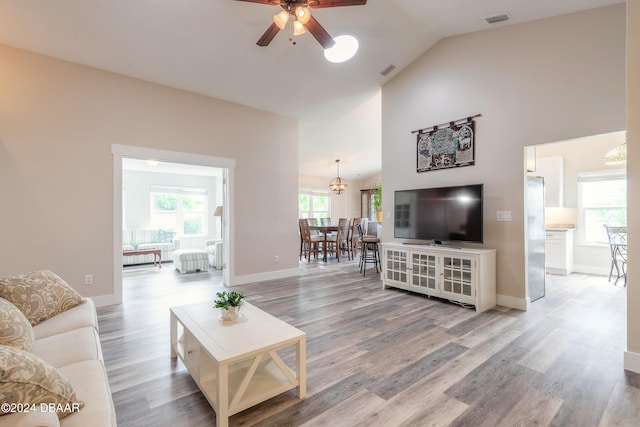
(632, 361)
(259, 277)
(513, 302)
(105, 300)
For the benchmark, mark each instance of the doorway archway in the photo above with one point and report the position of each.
(120, 152)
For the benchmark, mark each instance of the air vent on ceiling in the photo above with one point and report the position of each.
(497, 18)
(388, 69)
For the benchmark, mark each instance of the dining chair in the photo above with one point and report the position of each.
(308, 243)
(337, 242)
(617, 238)
(342, 237)
(312, 223)
(352, 239)
(368, 250)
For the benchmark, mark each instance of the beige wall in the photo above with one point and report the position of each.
(58, 121)
(537, 82)
(632, 359)
(581, 155)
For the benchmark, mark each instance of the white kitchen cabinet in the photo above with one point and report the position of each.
(462, 275)
(552, 170)
(559, 251)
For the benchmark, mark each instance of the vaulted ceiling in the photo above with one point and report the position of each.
(209, 47)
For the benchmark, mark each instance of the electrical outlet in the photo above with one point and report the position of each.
(88, 279)
(276, 258)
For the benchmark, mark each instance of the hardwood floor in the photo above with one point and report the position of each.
(388, 357)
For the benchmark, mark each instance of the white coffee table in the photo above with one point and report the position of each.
(235, 363)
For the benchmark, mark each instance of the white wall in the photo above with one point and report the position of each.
(58, 123)
(581, 155)
(138, 201)
(537, 82)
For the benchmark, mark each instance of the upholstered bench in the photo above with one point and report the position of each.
(186, 260)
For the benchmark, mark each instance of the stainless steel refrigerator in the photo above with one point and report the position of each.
(535, 233)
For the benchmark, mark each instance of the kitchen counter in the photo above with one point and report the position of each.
(560, 227)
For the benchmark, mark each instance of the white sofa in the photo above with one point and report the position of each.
(69, 342)
(148, 238)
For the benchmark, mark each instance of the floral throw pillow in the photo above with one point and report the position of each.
(15, 329)
(25, 379)
(39, 294)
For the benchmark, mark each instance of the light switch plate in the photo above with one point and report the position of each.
(503, 216)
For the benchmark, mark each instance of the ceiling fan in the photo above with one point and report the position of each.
(299, 9)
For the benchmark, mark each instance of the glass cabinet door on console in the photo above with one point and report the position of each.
(457, 278)
(396, 267)
(463, 275)
(409, 270)
(424, 270)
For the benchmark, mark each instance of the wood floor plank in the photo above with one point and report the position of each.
(318, 403)
(398, 381)
(624, 407)
(548, 350)
(350, 412)
(534, 409)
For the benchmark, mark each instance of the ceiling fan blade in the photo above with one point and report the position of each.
(337, 3)
(262, 2)
(268, 35)
(316, 30)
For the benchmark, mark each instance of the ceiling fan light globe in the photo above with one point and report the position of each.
(303, 14)
(298, 28)
(345, 48)
(281, 19)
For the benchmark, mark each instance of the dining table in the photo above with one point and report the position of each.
(325, 230)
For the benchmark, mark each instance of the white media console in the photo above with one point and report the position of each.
(463, 275)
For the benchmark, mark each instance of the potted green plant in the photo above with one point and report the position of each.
(229, 304)
(377, 201)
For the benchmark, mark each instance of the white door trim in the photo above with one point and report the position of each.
(126, 151)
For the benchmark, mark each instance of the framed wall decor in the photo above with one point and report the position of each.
(447, 146)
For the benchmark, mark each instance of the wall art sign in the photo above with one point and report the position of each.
(448, 146)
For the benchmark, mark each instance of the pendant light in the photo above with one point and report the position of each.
(616, 156)
(338, 185)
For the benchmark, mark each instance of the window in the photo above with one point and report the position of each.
(182, 210)
(314, 204)
(603, 200)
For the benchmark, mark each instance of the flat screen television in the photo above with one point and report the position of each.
(439, 214)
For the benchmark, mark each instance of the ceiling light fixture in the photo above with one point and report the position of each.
(303, 14)
(302, 20)
(616, 156)
(298, 28)
(338, 185)
(345, 48)
(281, 19)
